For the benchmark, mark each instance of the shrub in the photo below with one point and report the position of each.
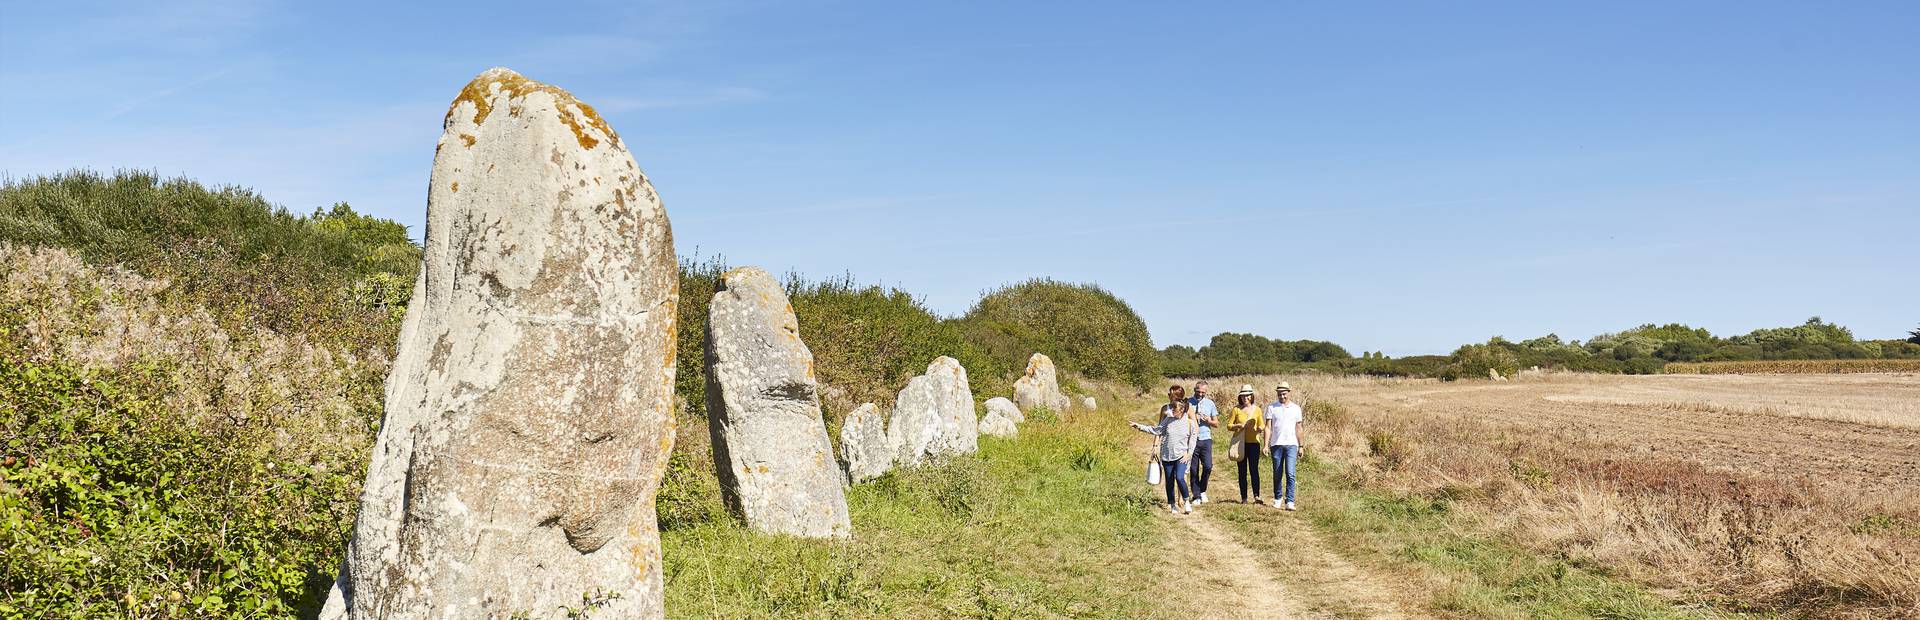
(158, 464)
(1083, 327)
(1392, 450)
(1330, 415)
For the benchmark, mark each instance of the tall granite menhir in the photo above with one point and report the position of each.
(770, 448)
(528, 416)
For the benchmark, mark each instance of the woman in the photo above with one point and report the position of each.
(1249, 429)
(1177, 432)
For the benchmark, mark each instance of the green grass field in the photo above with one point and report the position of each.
(1053, 523)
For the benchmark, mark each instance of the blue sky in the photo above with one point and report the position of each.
(1397, 177)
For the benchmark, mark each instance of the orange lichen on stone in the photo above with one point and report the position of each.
(468, 138)
(456, 186)
(573, 112)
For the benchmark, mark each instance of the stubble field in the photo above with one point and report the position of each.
(1791, 495)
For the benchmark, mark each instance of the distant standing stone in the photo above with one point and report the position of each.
(997, 425)
(933, 416)
(863, 444)
(1039, 387)
(770, 447)
(529, 413)
(1494, 374)
(1006, 409)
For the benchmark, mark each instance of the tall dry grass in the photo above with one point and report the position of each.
(1821, 367)
(1745, 543)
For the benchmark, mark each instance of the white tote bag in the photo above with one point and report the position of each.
(1153, 471)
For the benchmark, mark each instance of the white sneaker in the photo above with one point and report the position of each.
(1173, 509)
(1189, 508)
(1289, 505)
(1203, 498)
(1278, 506)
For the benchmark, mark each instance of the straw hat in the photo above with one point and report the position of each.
(1283, 386)
(1246, 389)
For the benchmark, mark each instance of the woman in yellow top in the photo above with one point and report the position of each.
(1248, 425)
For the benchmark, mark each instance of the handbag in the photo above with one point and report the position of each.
(1236, 452)
(1153, 471)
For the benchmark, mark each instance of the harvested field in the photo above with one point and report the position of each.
(1794, 494)
(1795, 367)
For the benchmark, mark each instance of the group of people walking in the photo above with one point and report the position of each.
(1185, 443)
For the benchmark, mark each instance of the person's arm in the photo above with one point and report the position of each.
(1300, 437)
(1150, 430)
(1212, 421)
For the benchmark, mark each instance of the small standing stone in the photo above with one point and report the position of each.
(1006, 409)
(770, 447)
(1039, 387)
(1089, 403)
(998, 425)
(933, 416)
(863, 444)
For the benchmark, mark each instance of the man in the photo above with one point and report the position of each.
(1284, 419)
(1208, 416)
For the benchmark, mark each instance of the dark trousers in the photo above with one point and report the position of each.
(1202, 465)
(1249, 466)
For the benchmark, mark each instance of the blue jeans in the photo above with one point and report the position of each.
(1286, 460)
(1172, 473)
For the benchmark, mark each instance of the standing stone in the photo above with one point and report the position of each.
(1006, 409)
(770, 447)
(1040, 387)
(529, 410)
(933, 415)
(1089, 403)
(1494, 374)
(863, 444)
(998, 425)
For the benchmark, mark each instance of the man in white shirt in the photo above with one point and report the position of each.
(1284, 441)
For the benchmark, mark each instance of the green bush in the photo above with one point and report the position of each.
(1083, 327)
(157, 464)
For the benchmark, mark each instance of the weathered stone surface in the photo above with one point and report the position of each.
(1494, 374)
(1089, 403)
(529, 410)
(1006, 409)
(863, 444)
(1040, 387)
(998, 425)
(770, 447)
(934, 416)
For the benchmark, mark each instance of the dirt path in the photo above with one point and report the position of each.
(1254, 561)
(1235, 582)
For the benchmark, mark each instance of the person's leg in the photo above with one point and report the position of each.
(1240, 473)
(1279, 475)
(1293, 466)
(1186, 492)
(1167, 470)
(1202, 466)
(1253, 469)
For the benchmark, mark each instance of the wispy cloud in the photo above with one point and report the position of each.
(714, 96)
(134, 103)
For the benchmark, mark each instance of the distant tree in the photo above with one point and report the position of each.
(1914, 336)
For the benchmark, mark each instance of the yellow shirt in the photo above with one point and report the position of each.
(1253, 422)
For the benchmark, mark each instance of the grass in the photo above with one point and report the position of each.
(1466, 570)
(1793, 367)
(1052, 523)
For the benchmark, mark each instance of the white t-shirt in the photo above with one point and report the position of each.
(1280, 424)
